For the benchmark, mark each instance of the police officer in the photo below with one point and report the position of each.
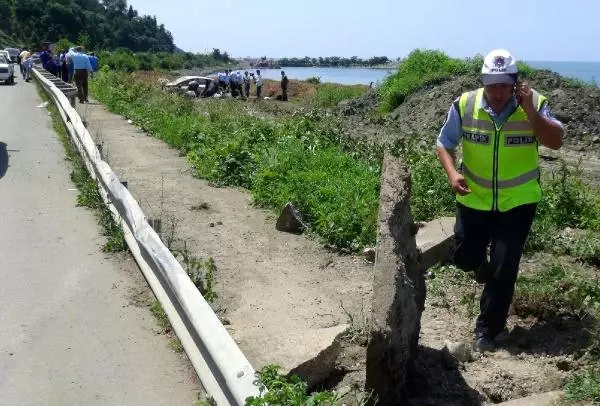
(497, 184)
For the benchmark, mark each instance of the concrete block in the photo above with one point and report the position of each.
(317, 351)
(434, 240)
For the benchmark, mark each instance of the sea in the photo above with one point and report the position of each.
(588, 72)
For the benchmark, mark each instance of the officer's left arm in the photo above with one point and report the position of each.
(549, 132)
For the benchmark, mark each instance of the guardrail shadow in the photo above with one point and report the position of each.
(3, 159)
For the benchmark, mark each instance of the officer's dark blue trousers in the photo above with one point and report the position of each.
(506, 232)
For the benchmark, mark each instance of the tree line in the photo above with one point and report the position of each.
(333, 61)
(109, 24)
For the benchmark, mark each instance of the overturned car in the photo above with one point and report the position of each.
(193, 86)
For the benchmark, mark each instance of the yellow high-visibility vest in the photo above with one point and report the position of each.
(500, 163)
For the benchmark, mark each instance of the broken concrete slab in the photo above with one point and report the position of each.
(398, 288)
(434, 240)
(317, 354)
(309, 353)
(541, 399)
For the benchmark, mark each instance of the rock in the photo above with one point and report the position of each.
(558, 93)
(434, 240)
(318, 351)
(460, 351)
(369, 254)
(398, 289)
(596, 140)
(290, 220)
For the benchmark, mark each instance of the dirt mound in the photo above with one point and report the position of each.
(578, 108)
(425, 111)
(367, 102)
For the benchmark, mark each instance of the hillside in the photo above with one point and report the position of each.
(109, 24)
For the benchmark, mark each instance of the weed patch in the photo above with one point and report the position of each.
(567, 203)
(453, 288)
(276, 389)
(330, 95)
(558, 289)
(161, 317)
(584, 387)
(201, 272)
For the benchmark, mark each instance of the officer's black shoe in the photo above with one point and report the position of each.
(484, 344)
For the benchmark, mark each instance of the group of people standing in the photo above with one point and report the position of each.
(239, 84)
(71, 65)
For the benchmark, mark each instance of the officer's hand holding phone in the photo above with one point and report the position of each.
(524, 96)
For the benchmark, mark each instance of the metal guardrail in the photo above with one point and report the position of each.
(222, 368)
(68, 89)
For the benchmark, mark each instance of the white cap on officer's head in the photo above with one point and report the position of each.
(499, 66)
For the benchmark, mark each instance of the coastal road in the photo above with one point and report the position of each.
(71, 332)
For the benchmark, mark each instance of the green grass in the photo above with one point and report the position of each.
(584, 387)
(89, 195)
(330, 95)
(568, 201)
(276, 389)
(558, 288)
(431, 195)
(161, 317)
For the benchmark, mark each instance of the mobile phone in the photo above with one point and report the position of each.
(515, 93)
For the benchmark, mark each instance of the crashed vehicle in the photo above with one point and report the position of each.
(192, 86)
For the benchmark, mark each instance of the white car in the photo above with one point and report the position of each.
(7, 70)
(13, 54)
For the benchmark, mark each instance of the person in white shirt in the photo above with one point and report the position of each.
(259, 83)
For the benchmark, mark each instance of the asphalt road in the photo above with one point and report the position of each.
(70, 331)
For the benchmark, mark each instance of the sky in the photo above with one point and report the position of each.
(533, 30)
